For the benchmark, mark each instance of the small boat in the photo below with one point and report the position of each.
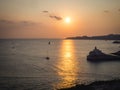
(98, 55)
(117, 53)
(116, 42)
(47, 58)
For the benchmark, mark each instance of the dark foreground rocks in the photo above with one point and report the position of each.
(97, 85)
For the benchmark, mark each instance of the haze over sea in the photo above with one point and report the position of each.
(23, 65)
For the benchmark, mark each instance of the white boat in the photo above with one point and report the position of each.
(98, 55)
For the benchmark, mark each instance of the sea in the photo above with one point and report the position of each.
(23, 63)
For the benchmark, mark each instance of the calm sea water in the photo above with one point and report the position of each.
(23, 65)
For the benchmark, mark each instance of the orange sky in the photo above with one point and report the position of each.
(46, 18)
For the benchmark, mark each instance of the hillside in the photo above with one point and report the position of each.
(104, 37)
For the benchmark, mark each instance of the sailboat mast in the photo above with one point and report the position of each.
(47, 51)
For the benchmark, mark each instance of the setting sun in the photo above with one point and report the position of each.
(67, 20)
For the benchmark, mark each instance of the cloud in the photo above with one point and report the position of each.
(45, 11)
(56, 17)
(119, 10)
(6, 21)
(106, 11)
(52, 15)
(3, 21)
(11, 25)
(26, 23)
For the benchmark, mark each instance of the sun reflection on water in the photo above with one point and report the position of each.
(67, 65)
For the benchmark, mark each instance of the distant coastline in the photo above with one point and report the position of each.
(103, 37)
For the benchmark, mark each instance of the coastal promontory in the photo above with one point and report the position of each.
(102, 37)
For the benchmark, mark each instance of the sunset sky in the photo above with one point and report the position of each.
(58, 18)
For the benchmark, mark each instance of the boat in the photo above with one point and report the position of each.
(117, 53)
(98, 55)
(116, 42)
(47, 58)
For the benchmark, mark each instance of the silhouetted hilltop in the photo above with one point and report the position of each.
(104, 37)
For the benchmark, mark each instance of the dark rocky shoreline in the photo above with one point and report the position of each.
(97, 85)
(102, 37)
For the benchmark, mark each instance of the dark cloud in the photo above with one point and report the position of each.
(2, 21)
(26, 23)
(11, 25)
(56, 17)
(45, 11)
(106, 11)
(119, 10)
(6, 21)
(52, 16)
